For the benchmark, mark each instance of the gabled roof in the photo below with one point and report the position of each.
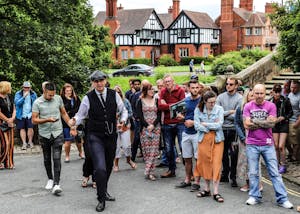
(130, 20)
(201, 20)
(255, 20)
(243, 13)
(166, 19)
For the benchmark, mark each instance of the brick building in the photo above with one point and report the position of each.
(243, 28)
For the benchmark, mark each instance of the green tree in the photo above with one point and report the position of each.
(287, 21)
(50, 40)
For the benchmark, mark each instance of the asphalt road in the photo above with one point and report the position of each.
(22, 191)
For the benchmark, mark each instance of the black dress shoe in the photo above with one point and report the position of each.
(108, 197)
(161, 165)
(234, 183)
(101, 206)
(183, 185)
(224, 179)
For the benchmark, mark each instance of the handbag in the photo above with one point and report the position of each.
(4, 127)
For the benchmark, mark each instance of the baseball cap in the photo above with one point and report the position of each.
(26, 84)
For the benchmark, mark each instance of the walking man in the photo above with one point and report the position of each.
(230, 100)
(101, 106)
(47, 112)
(23, 101)
(259, 117)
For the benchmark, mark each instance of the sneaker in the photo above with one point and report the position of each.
(30, 144)
(24, 147)
(56, 189)
(287, 205)
(49, 184)
(245, 188)
(282, 169)
(251, 201)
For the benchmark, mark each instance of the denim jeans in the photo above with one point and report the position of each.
(170, 132)
(269, 155)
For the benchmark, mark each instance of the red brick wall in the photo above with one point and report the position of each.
(193, 50)
(246, 4)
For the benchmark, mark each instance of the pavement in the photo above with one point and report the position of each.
(292, 175)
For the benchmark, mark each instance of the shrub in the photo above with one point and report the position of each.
(139, 61)
(197, 60)
(118, 64)
(167, 60)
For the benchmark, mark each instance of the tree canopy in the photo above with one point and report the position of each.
(287, 21)
(50, 40)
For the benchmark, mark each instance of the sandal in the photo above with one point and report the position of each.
(151, 177)
(133, 165)
(218, 198)
(116, 169)
(94, 185)
(84, 182)
(2, 166)
(203, 193)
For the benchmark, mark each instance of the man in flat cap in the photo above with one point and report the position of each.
(101, 106)
(23, 101)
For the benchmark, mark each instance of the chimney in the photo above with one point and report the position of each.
(111, 9)
(176, 8)
(120, 7)
(227, 10)
(170, 10)
(269, 8)
(247, 5)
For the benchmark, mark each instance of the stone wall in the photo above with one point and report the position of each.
(259, 72)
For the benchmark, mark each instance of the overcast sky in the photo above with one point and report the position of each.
(212, 7)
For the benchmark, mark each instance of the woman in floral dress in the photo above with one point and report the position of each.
(150, 118)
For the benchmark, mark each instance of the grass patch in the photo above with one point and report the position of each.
(123, 81)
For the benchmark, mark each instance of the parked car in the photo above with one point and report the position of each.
(134, 69)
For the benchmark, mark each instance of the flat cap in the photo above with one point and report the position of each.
(97, 75)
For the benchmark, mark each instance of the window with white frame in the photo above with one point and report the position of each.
(205, 52)
(124, 54)
(215, 34)
(248, 31)
(143, 53)
(131, 54)
(183, 52)
(257, 31)
(184, 33)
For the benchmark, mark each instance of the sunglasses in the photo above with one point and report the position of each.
(230, 84)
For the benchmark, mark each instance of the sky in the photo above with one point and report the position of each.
(212, 7)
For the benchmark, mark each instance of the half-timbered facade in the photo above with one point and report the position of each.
(192, 34)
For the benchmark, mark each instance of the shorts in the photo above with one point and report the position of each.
(25, 123)
(294, 135)
(281, 128)
(189, 145)
(67, 135)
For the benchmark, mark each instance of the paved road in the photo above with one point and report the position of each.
(21, 191)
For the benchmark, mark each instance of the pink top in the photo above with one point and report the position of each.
(261, 136)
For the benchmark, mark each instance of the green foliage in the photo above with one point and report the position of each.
(287, 21)
(139, 61)
(197, 60)
(238, 59)
(50, 41)
(118, 64)
(167, 60)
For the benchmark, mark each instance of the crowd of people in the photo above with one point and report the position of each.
(220, 136)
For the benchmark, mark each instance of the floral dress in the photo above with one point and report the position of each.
(150, 140)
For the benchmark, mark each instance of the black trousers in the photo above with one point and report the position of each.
(52, 147)
(103, 151)
(229, 166)
(87, 167)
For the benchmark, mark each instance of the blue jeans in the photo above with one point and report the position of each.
(170, 132)
(269, 155)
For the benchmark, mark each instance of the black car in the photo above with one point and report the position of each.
(134, 69)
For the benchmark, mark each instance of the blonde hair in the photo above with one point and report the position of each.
(5, 87)
(245, 97)
(117, 87)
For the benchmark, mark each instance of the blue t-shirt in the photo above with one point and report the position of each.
(190, 106)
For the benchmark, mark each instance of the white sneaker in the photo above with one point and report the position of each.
(287, 205)
(49, 184)
(56, 189)
(251, 201)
